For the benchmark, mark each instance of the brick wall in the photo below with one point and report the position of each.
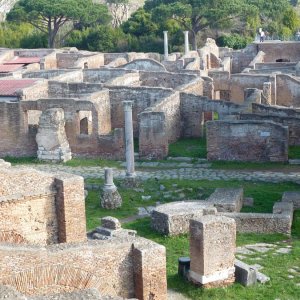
(247, 141)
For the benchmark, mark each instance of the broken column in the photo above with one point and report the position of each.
(110, 198)
(130, 172)
(166, 50)
(186, 43)
(212, 248)
(51, 137)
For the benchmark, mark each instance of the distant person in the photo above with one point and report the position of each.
(262, 36)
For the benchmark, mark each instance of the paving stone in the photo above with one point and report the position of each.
(262, 278)
(283, 250)
(244, 274)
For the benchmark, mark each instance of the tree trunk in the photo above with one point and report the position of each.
(194, 41)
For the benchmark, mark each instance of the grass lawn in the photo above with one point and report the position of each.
(294, 152)
(264, 194)
(189, 147)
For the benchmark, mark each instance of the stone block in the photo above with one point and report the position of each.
(227, 199)
(244, 274)
(212, 248)
(110, 223)
(173, 218)
(293, 197)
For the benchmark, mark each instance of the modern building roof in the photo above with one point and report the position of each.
(22, 60)
(10, 68)
(9, 87)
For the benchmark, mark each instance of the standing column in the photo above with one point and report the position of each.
(130, 173)
(186, 43)
(166, 51)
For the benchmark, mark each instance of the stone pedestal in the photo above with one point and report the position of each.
(212, 248)
(186, 43)
(130, 172)
(110, 198)
(166, 50)
(51, 137)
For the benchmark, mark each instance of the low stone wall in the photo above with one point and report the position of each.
(174, 218)
(247, 141)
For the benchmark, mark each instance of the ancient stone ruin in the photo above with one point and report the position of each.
(43, 228)
(255, 99)
(51, 137)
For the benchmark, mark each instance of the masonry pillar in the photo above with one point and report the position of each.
(166, 51)
(129, 145)
(267, 93)
(212, 248)
(186, 43)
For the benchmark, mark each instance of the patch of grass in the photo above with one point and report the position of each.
(259, 166)
(21, 160)
(264, 194)
(92, 162)
(294, 152)
(189, 148)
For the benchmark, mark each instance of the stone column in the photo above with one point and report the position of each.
(110, 198)
(130, 172)
(186, 43)
(212, 248)
(166, 51)
(109, 181)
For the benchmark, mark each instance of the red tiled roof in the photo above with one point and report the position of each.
(10, 68)
(10, 87)
(22, 60)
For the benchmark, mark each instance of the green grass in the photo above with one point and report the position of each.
(75, 162)
(189, 148)
(264, 194)
(275, 266)
(294, 152)
(92, 162)
(238, 165)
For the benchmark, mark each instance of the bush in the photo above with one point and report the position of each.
(234, 41)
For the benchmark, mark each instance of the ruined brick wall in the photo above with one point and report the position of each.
(280, 111)
(103, 75)
(247, 141)
(160, 126)
(91, 61)
(143, 97)
(240, 82)
(165, 79)
(145, 64)
(71, 90)
(288, 90)
(17, 137)
(126, 268)
(292, 123)
(193, 108)
(37, 91)
(279, 50)
(40, 208)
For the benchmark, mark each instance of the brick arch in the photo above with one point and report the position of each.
(12, 237)
(50, 279)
